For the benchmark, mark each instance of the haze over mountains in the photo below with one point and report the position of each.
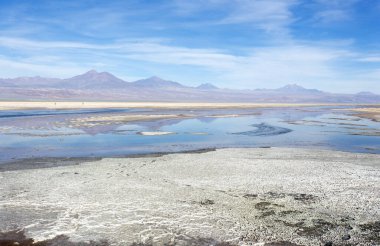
(99, 86)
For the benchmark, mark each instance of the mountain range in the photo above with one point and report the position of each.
(104, 86)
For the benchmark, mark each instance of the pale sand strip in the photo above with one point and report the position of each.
(121, 119)
(7, 105)
(243, 196)
(370, 113)
(155, 133)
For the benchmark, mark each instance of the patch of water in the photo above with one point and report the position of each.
(47, 134)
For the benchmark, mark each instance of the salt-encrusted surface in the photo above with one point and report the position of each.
(242, 196)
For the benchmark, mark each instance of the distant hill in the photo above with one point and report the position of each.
(29, 82)
(207, 86)
(99, 86)
(156, 82)
(294, 88)
(93, 80)
(365, 93)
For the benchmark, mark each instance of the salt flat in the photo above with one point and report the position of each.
(9, 105)
(240, 196)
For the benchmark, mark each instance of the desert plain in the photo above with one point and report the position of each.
(259, 196)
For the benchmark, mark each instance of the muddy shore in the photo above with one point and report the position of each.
(267, 196)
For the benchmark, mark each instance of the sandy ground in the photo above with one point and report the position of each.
(155, 133)
(370, 113)
(235, 196)
(100, 120)
(7, 105)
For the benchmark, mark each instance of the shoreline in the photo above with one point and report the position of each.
(235, 195)
(369, 113)
(52, 162)
(24, 105)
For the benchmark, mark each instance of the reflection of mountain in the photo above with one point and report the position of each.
(58, 122)
(100, 86)
(99, 129)
(293, 114)
(158, 124)
(206, 119)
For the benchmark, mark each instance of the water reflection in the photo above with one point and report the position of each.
(53, 134)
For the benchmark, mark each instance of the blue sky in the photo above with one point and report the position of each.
(333, 45)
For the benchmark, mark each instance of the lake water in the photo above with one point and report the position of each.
(48, 133)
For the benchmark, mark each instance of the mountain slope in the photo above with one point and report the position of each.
(93, 80)
(99, 86)
(294, 88)
(156, 82)
(29, 82)
(207, 86)
(291, 89)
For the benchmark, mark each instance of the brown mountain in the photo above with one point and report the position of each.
(94, 85)
(93, 80)
(156, 82)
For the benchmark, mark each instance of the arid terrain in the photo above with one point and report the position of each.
(370, 113)
(268, 196)
(190, 123)
(8, 105)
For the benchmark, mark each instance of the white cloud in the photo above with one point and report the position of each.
(285, 59)
(270, 66)
(333, 15)
(267, 14)
(334, 10)
(21, 43)
(272, 16)
(13, 68)
(371, 58)
(337, 3)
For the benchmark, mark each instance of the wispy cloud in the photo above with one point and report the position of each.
(267, 15)
(334, 10)
(271, 15)
(31, 67)
(333, 15)
(272, 66)
(233, 43)
(370, 58)
(27, 44)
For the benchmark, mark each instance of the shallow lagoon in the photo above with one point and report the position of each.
(48, 133)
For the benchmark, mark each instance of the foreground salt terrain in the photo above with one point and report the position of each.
(259, 196)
